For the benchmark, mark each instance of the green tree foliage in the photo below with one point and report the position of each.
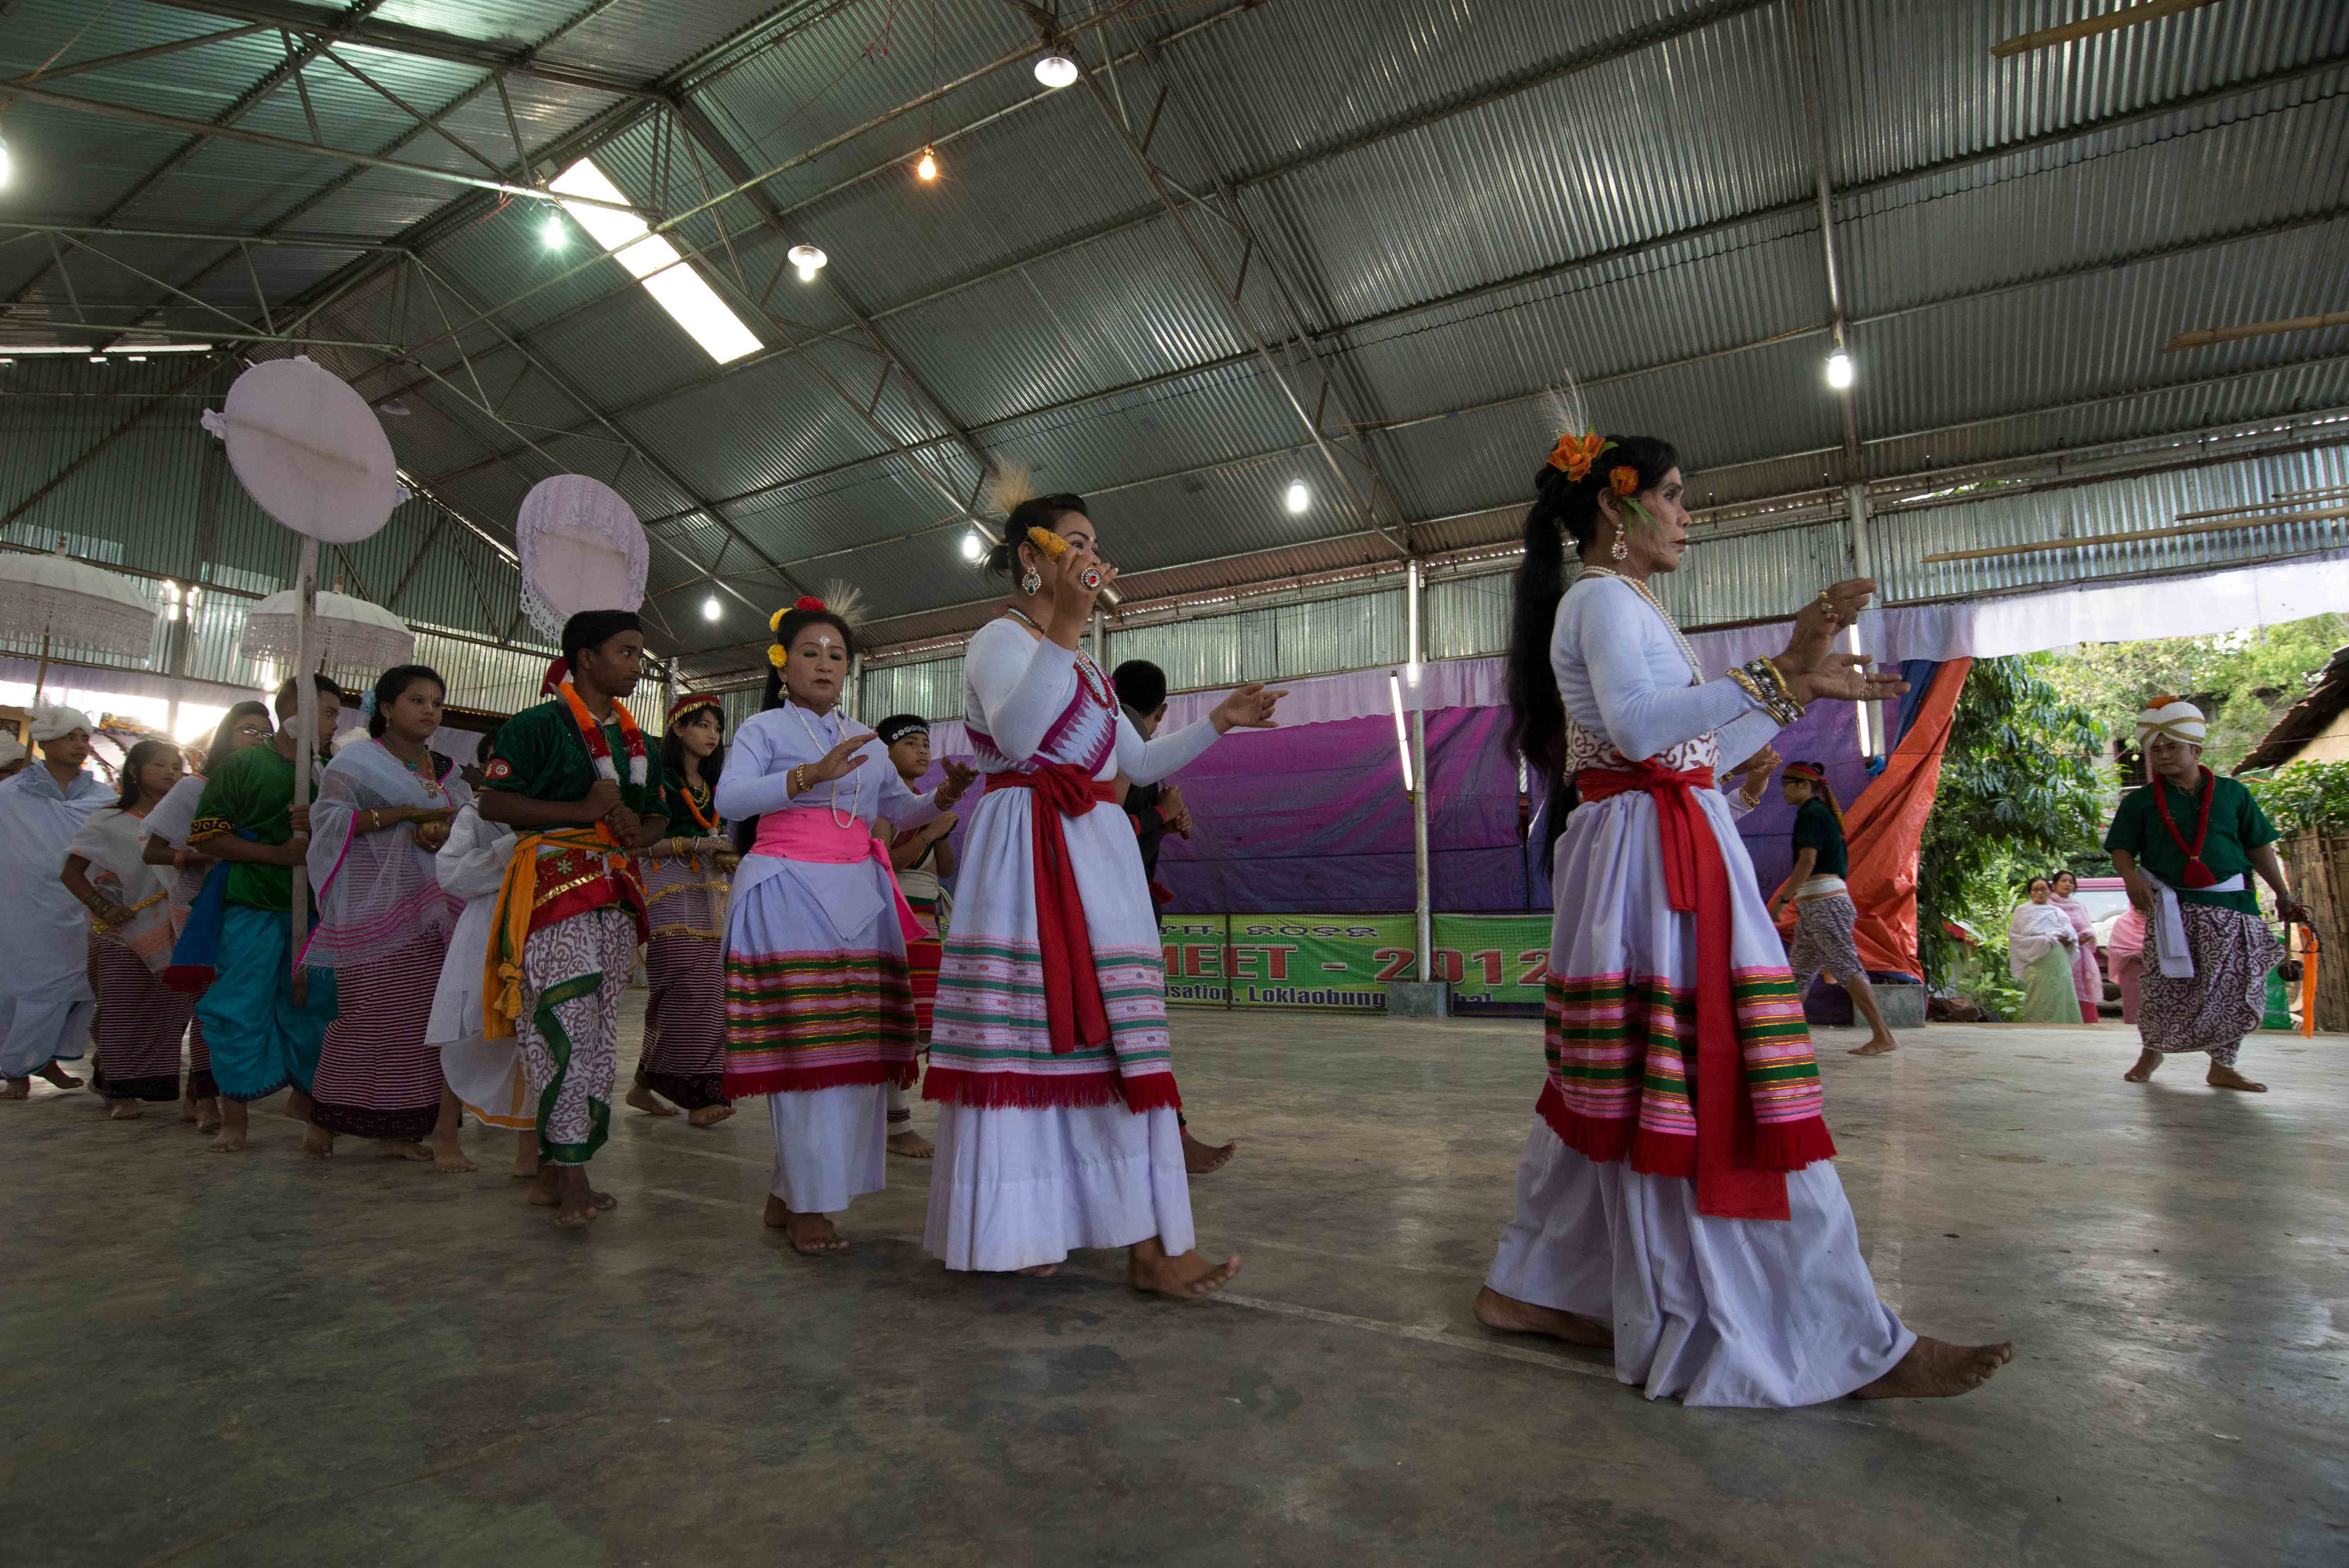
(2021, 790)
(2305, 795)
(2244, 680)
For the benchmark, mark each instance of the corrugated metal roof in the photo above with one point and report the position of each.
(1463, 204)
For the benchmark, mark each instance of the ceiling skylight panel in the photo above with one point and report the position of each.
(674, 284)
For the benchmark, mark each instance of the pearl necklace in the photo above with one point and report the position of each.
(855, 789)
(1088, 672)
(1688, 653)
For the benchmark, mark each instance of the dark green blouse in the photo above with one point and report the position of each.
(2238, 827)
(1816, 828)
(540, 753)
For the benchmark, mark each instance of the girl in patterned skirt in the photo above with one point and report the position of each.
(819, 1013)
(685, 876)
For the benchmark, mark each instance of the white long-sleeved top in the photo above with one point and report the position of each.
(1020, 686)
(1628, 689)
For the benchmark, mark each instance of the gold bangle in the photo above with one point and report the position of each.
(1752, 688)
(1786, 687)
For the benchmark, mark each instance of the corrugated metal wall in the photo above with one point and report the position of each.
(1734, 577)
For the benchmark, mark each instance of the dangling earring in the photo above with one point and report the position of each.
(1030, 584)
(1622, 545)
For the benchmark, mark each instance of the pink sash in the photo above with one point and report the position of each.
(812, 833)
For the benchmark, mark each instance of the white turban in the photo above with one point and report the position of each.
(51, 722)
(11, 750)
(2173, 717)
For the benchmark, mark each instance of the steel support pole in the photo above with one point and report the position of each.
(1423, 934)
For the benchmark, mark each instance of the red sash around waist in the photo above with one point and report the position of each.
(1729, 1181)
(1074, 1014)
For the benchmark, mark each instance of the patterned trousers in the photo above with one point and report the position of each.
(2212, 1011)
(573, 973)
(1823, 940)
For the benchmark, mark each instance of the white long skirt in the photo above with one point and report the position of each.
(1706, 1310)
(831, 1145)
(1014, 1188)
(485, 1075)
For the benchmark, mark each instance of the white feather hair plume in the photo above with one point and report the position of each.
(1564, 411)
(1009, 485)
(845, 599)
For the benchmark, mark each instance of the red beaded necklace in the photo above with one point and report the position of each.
(2197, 874)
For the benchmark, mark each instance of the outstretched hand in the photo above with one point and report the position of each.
(958, 778)
(1846, 677)
(842, 758)
(1248, 707)
(1820, 621)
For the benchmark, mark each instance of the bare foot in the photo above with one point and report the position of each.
(2228, 1078)
(525, 1165)
(18, 1089)
(709, 1115)
(318, 1143)
(448, 1156)
(401, 1149)
(1186, 1277)
(809, 1236)
(2143, 1072)
(1511, 1315)
(1935, 1370)
(912, 1145)
(1875, 1047)
(1199, 1159)
(651, 1104)
(298, 1106)
(208, 1115)
(230, 1141)
(188, 1111)
(545, 1187)
(1039, 1271)
(57, 1076)
(129, 1110)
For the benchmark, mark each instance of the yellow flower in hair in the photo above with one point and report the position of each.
(775, 655)
(775, 621)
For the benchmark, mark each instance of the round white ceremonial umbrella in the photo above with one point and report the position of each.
(343, 630)
(77, 603)
(581, 547)
(310, 451)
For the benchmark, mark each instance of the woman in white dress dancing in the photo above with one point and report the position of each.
(1676, 1199)
(1050, 1054)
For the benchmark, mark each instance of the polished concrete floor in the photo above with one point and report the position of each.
(270, 1360)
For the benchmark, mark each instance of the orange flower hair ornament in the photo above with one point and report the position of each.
(1574, 454)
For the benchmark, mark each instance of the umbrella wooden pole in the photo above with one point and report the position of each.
(41, 675)
(305, 755)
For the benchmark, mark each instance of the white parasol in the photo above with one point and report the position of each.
(78, 603)
(581, 548)
(343, 630)
(312, 453)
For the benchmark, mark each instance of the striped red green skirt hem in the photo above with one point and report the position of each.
(797, 1021)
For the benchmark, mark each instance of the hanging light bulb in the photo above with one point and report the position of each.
(928, 168)
(551, 233)
(807, 259)
(1299, 497)
(1839, 370)
(712, 609)
(973, 546)
(1056, 70)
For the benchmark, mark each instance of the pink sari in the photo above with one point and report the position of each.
(2088, 973)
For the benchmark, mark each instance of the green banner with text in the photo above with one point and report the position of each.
(1344, 961)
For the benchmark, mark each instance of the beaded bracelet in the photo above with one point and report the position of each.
(1768, 687)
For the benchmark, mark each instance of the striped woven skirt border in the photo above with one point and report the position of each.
(817, 1020)
(377, 1077)
(140, 1022)
(683, 1056)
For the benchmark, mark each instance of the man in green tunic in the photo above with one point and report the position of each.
(2183, 844)
(263, 1039)
(574, 780)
